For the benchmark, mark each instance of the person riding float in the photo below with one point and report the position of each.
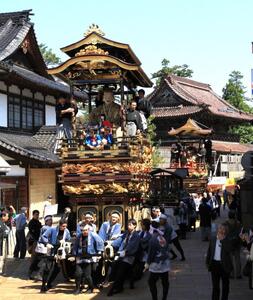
(52, 238)
(87, 245)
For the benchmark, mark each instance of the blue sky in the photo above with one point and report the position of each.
(213, 37)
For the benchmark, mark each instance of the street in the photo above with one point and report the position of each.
(189, 280)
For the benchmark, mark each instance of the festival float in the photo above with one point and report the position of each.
(104, 180)
(192, 150)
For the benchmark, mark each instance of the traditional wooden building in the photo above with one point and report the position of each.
(177, 99)
(27, 115)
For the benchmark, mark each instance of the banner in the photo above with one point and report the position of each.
(50, 210)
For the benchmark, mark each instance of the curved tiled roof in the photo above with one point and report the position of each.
(38, 148)
(231, 147)
(13, 29)
(175, 111)
(202, 94)
(198, 94)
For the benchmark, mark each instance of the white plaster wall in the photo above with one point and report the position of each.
(3, 86)
(16, 170)
(50, 115)
(3, 110)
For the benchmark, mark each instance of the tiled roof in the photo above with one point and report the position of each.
(195, 93)
(13, 30)
(231, 147)
(176, 111)
(201, 93)
(44, 84)
(38, 147)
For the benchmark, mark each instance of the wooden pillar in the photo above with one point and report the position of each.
(89, 98)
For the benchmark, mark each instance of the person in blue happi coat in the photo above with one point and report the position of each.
(111, 229)
(87, 245)
(127, 246)
(87, 219)
(51, 238)
(20, 221)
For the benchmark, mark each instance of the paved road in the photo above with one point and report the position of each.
(189, 280)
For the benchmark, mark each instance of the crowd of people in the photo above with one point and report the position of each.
(108, 255)
(104, 119)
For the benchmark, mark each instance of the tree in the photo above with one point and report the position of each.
(179, 70)
(244, 131)
(157, 159)
(49, 57)
(234, 93)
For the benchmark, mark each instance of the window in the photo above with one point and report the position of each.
(38, 114)
(25, 113)
(14, 112)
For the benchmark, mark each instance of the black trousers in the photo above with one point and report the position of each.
(35, 260)
(49, 270)
(83, 274)
(20, 247)
(122, 271)
(183, 228)
(153, 278)
(1, 245)
(177, 244)
(218, 274)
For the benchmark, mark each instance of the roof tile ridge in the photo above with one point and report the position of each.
(6, 26)
(187, 96)
(25, 27)
(190, 82)
(229, 104)
(22, 149)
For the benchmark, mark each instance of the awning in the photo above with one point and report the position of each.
(190, 128)
(4, 166)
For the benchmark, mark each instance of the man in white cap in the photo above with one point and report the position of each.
(20, 221)
(111, 229)
(87, 219)
(156, 212)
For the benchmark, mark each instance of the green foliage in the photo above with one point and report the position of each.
(49, 57)
(179, 70)
(234, 93)
(244, 131)
(151, 135)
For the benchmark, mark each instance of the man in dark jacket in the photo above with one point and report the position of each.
(234, 230)
(143, 104)
(218, 261)
(133, 120)
(34, 227)
(127, 246)
(205, 212)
